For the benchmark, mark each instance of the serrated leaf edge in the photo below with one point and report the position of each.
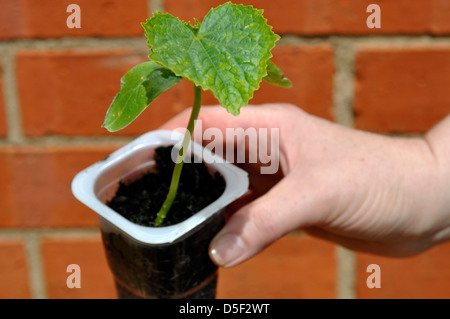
(275, 38)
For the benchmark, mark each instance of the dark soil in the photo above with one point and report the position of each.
(141, 200)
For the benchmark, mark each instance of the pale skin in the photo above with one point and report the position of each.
(367, 192)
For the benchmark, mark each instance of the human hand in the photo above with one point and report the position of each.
(364, 191)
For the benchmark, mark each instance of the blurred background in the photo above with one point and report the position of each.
(56, 84)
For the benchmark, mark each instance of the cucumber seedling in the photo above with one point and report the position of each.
(227, 53)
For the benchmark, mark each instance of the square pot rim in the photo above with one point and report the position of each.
(83, 188)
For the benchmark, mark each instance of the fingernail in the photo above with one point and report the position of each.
(226, 249)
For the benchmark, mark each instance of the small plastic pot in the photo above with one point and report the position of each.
(157, 262)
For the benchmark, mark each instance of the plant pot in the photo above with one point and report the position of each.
(157, 262)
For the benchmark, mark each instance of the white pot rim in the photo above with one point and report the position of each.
(85, 187)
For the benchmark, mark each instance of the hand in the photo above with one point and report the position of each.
(367, 192)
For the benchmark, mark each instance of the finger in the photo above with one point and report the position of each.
(256, 130)
(217, 117)
(260, 223)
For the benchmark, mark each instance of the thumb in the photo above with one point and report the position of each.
(263, 221)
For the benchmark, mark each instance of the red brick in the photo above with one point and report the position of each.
(13, 270)
(294, 267)
(312, 17)
(68, 92)
(85, 251)
(423, 276)
(36, 185)
(2, 107)
(310, 68)
(106, 18)
(440, 20)
(402, 90)
(47, 18)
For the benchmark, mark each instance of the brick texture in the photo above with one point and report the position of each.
(311, 70)
(423, 276)
(47, 18)
(81, 84)
(296, 266)
(38, 192)
(345, 17)
(79, 87)
(86, 252)
(401, 90)
(13, 270)
(439, 21)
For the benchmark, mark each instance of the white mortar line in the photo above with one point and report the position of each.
(346, 273)
(138, 44)
(139, 41)
(36, 275)
(21, 232)
(155, 5)
(10, 92)
(344, 81)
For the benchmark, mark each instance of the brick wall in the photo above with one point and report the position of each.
(56, 85)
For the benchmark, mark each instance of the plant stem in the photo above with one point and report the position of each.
(180, 159)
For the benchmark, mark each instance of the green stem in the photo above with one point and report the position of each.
(180, 159)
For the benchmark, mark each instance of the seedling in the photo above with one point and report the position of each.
(228, 53)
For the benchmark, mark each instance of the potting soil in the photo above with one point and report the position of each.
(141, 200)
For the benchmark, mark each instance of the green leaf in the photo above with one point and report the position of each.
(275, 76)
(139, 87)
(226, 54)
